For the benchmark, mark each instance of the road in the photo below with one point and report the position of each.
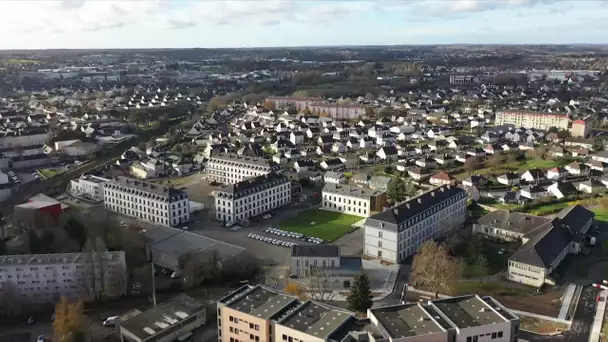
(581, 322)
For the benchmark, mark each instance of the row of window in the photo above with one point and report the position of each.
(492, 336)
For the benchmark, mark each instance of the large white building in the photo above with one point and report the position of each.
(397, 233)
(147, 201)
(232, 168)
(527, 119)
(352, 200)
(251, 197)
(87, 186)
(43, 278)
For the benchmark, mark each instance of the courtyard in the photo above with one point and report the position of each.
(323, 224)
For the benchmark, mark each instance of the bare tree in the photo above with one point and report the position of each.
(494, 161)
(471, 164)
(435, 269)
(191, 269)
(9, 300)
(482, 267)
(116, 282)
(321, 286)
(537, 153)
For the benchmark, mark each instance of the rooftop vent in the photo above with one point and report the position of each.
(396, 211)
(419, 200)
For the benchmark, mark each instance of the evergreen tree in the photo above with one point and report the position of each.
(396, 190)
(360, 298)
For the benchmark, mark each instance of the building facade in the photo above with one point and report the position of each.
(147, 201)
(352, 200)
(257, 313)
(40, 279)
(397, 233)
(87, 186)
(251, 197)
(527, 119)
(581, 128)
(232, 168)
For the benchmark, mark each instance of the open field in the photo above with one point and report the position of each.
(328, 225)
(516, 166)
(48, 173)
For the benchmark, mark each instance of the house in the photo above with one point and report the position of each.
(489, 137)
(509, 178)
(334, 177)
(590, 186)
(562, 189)
(369, 158)
(426, 162)
(361, 179)
(441, 178)
(444, 159)
(579, 152)
(387, 153)
(577, 169)
(280, 158)
(542, 253)
(379, 183)
(510, 197)
(293, 154)
(306, 259)
(557, 173)
(418, 173)
(533, 176)
(297, 138)
(493, 149)
(601, 156)
(338, 147)
(533, 192)
(477, 181)
(597, 166)
(352, 144)
(304, 165)
(476, 152)
(557, 152)
(334, 164)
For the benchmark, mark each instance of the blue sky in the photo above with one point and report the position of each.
(35, 24)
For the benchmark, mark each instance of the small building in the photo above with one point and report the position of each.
(509, 178)
(334, 177)
(166, 322)
(310, 260)
(352, 200)
(441, 178)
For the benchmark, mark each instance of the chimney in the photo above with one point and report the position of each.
(433, 193)
(407, 205)
(396, 211)
(419, 200)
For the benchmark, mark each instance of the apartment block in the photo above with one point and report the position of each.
(251, 197)
(397, 233)
(527, 119)
(40, 279)
(352, 200)
(87, 187)
(232, 168)
(147, 201)
(257, 313)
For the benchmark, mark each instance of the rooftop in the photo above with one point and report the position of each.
(352, 191)
(252, 185)
(315, 319)
(132, 184)
(56, 258)
(468, 311)
(310, 250)
(407, 320)
(161, 318)
(258, 301)
(236, 159)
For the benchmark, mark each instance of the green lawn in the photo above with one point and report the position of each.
(516, 166)
(548, 208)
(601, 214)
(328, 225)
(48, 173)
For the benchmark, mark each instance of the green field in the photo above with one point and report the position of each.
(49, 173)
(328, 225)
(517, 166)
(601, 214)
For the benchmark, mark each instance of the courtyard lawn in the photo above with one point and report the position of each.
(328, 225)
(49, 173)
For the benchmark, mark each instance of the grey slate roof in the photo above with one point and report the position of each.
(515, 222)
(253, 185)
(352, 191)
(415, 206)
(133, 184)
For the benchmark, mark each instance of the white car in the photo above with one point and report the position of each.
(185, 227)
(267, 216)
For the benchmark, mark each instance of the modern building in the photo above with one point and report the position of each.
(397, 233)
(147, 201)
(545, 242)
(257, 313)
(457, 319)
(232, 168)
(324, 261)
(251, 197)
(40, 279)
(581, 128)
(168, 321)
(527, 119)
(87, 187)
(352, 200)
(462, 79)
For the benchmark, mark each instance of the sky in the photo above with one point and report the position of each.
(90, 24)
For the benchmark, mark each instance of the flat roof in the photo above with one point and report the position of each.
(315, 319)
(407, 320)
(258, 301)
(155, 321)
(468, 311)
(177, 242)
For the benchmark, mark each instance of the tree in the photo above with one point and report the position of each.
(268, 105)
(9, 300)
(434, 269)
(494, 161)
(471, 164)
(482, 267)
(76, 231)
(360, 297)
(321, 287)
(396, 190)
(61, 324)
(296, 290)
(3, 248)
(537, 153)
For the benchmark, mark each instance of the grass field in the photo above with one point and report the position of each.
(601, 214)
(517, 166)
(328, 225)
(48, 173)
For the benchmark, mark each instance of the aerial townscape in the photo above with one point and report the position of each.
(398, 193)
